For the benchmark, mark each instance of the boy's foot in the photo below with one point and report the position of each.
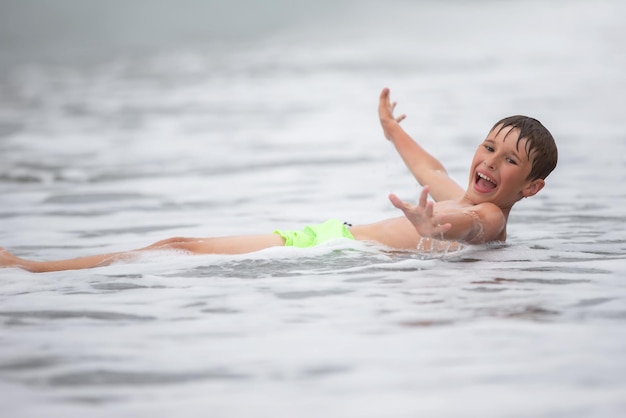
(9, 260)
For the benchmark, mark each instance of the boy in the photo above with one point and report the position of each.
(511, 163)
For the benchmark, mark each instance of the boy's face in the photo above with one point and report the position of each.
(500, 169)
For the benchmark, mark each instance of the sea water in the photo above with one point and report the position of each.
(123, 124)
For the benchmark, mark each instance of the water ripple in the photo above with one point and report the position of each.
(114, 378)
(61, 314)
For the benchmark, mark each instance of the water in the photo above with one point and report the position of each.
(209, 120)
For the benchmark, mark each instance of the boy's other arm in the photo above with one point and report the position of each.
(426, 169)
(474, 225)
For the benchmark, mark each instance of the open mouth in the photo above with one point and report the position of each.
(484, 183)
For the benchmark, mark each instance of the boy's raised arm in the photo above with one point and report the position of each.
(426, 169)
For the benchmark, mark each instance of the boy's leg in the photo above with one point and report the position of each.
(221, 245)
(9, 260)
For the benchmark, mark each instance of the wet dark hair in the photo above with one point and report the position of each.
(540, 145)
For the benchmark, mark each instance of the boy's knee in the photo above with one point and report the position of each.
(190, 246)
(168, 243)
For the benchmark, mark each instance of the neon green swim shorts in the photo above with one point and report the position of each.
(312, 235)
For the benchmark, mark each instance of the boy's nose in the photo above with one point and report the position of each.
(490, 163)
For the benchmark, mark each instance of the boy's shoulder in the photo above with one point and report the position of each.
(490, 219)
(493, 221)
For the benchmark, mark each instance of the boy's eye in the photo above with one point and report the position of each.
(512, 161)
(489, 148)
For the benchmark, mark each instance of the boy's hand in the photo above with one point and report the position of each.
(385, 113)
(422, 216)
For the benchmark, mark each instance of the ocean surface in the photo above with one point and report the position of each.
(123, 123)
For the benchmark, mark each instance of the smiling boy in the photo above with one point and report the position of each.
(510, 164)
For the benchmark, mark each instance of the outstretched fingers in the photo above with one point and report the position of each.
(422, 215)
(386, 106)
(399, 203)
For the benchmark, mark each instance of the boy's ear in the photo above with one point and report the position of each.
(533, 187)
